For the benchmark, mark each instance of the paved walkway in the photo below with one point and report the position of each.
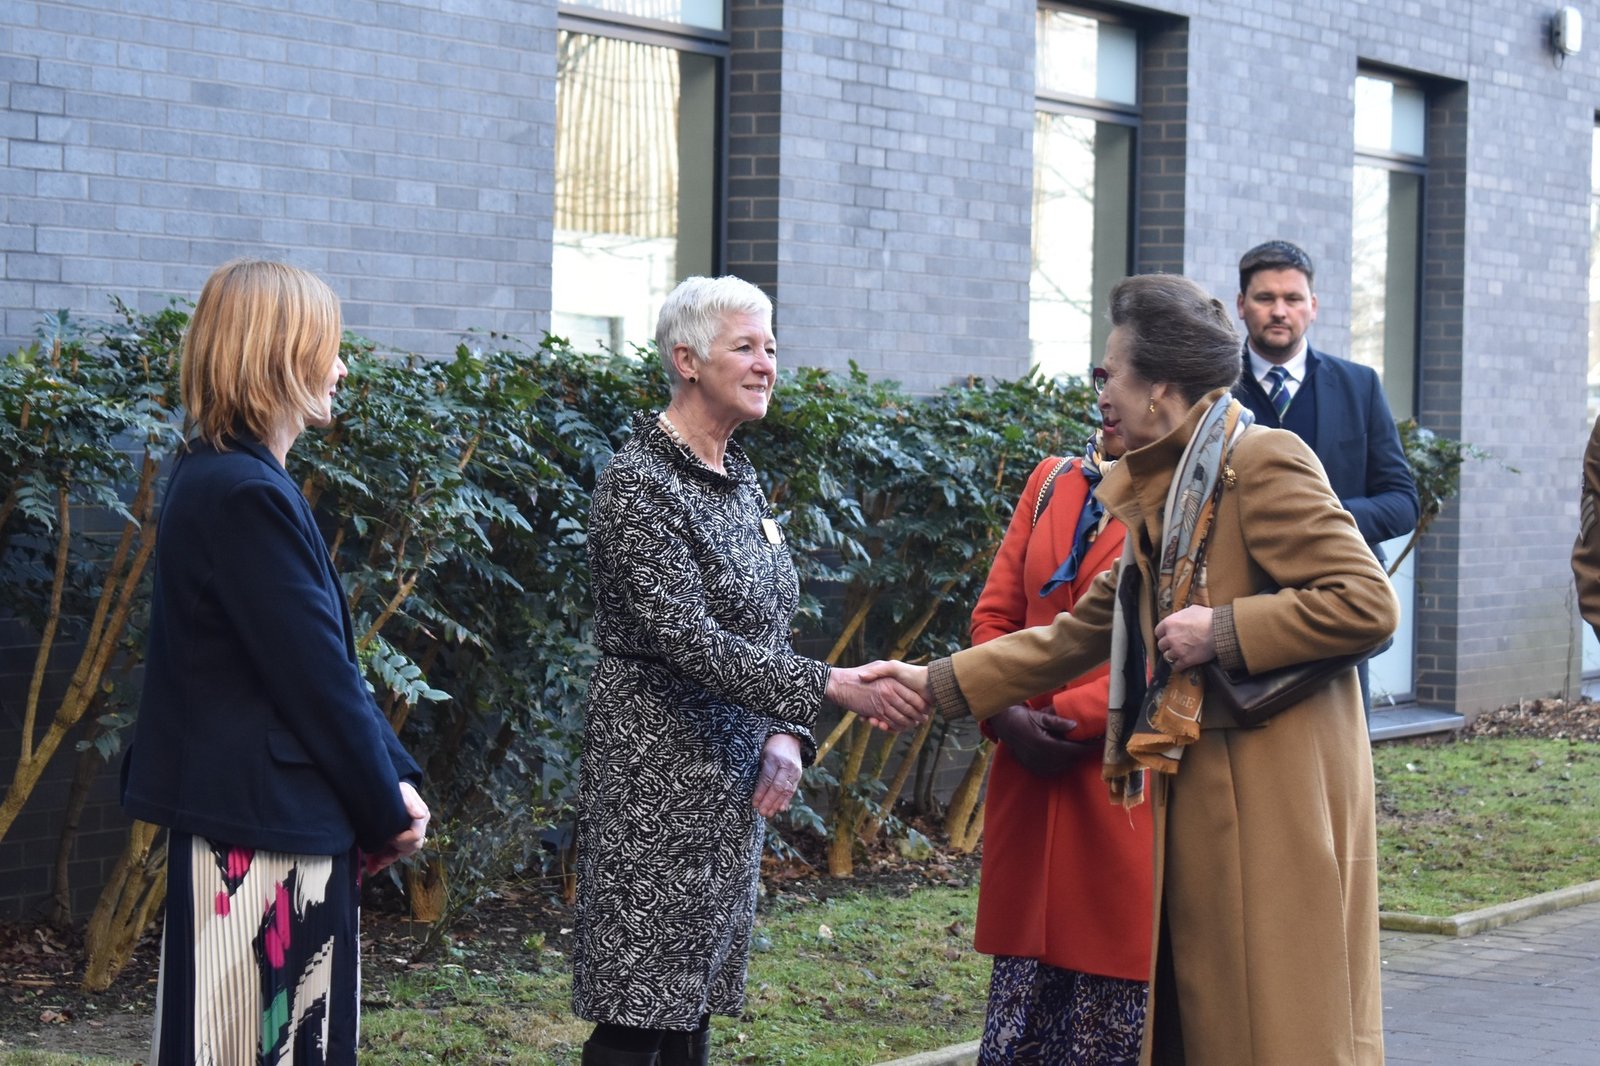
(1524, 993)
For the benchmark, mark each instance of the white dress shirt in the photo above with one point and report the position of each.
(1296, 368)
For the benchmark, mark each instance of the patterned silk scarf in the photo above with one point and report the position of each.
(1151, 723)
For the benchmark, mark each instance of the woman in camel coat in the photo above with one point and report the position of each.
(1265, 923)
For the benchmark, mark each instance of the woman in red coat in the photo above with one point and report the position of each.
(1065, 900)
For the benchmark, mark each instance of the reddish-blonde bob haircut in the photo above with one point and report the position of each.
(261, 342)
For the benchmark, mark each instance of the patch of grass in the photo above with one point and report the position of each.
(853, 980)
(1467, 824)
(50, 1058)
(449, 1013)
(862, 979)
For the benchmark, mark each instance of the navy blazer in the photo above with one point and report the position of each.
(1356, 441)
(256, 728)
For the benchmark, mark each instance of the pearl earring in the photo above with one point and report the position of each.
(1152, 405)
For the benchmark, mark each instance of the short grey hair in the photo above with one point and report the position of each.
(693, 312)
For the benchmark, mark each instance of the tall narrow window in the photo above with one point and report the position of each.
(1084, 126)
(1386, 255)
(1593, 391)
(1387, 235)
(637, 151)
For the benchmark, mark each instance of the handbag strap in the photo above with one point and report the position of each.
(1047, 489)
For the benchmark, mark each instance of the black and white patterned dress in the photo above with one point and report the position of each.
(693, 602)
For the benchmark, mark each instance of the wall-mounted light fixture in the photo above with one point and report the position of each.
(1566, 31)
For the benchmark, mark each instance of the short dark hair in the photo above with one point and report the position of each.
(1180, 334)
(1274, 255)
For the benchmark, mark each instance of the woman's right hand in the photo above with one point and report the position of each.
(1038, 740)
(888, 694)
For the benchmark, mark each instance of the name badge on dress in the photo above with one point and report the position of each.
(770, 528)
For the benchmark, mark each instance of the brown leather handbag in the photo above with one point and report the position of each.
(1250, 699)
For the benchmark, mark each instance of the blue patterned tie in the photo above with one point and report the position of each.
(1278, 395)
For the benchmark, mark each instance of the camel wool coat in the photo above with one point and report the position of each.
(1586, 550)
(1265, 838)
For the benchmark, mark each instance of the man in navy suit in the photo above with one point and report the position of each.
(1334, 405)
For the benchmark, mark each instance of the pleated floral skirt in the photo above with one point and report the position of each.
(260, 958)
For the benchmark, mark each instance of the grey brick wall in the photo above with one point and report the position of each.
(403, 150)
(892, 221)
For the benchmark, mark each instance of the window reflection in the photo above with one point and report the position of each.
(1387, 234)
(1370, 254)
(1383, 281)
(635, 191)
(1087, 78)
(1374, 114)
(1080, 55)
(1083, 171)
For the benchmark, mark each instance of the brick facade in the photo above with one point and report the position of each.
(402, 151)
(881, 180)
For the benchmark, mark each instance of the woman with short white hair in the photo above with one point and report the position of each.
(699, 713)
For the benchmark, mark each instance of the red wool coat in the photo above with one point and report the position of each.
(1066, 872)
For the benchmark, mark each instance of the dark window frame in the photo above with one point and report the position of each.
(717, 44)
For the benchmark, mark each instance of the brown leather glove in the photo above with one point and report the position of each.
(1037, 740)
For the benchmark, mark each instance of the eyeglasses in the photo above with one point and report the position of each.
(1098, 378)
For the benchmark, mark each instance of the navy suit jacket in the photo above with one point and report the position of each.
(1356, 441)
(256, 728)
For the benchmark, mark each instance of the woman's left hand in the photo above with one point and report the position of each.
(780, 774)
(410, 839)
(1184, 639)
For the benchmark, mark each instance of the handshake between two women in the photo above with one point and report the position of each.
(891, 695)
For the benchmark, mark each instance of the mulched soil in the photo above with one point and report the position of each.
(1551, 718)
(43, 1008)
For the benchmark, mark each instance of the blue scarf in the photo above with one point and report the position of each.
(1088, 520)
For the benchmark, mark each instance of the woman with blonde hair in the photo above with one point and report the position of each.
(257, 742)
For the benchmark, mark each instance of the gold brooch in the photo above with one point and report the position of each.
(1229, 480)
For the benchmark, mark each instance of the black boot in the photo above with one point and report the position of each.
(604, 1055)
(691, 1048)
